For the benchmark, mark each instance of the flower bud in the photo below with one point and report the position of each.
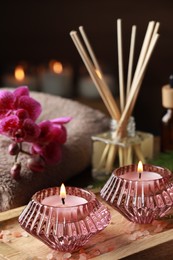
(15, 171)
(13, 149)
(36, 164)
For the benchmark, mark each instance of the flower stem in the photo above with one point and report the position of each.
(23, 151)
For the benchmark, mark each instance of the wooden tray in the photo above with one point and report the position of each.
(120, 239)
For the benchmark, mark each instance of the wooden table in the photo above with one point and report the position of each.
(120, 240)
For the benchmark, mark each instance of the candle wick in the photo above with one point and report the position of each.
(63, 201)
(139, 175)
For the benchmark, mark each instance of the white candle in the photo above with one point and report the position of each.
(19, 78)
(57, 80)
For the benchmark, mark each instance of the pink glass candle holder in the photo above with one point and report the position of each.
(62, 227)
(140, 200)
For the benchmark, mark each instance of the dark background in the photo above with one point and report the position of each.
(38, 30)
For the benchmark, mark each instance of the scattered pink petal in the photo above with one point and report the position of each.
(25, 234)
(83, 256)
(146, 233)
(131, 227)
(139, 234)
(94, 252)
(133, 237)
(16, 234)
(6, 232)
(66, 256)
(50, 256)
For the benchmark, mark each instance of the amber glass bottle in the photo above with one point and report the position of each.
(167, 119)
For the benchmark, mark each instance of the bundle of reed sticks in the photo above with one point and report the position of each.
(128, 93)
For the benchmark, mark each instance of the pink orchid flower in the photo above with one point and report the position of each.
(18, 113)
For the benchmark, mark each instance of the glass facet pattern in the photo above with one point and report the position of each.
(139, 201)
(64, 228)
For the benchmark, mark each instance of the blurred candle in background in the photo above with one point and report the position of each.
(20, 78)
(57, 79)
(87, 89)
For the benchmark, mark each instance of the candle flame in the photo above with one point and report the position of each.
(62, 191)
(19, 73)
(56, 66)
(140, 167)
(98, 74)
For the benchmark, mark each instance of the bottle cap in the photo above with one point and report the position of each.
(167, 96)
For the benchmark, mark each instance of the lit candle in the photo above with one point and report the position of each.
(19, 78)
(140, 200)
(64, 222)
(143, 181)
(141, 175)
(63, 200)
(57, 80)
(19, 73)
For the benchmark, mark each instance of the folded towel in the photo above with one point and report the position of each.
(77, 151)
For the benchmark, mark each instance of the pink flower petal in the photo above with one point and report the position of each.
(46, 131)
(52, 153)
(6, 99)
(9, 123)
(52, 132)
(22, 114)
(21, 91)
(32, 106)
(31, 130)
(36, 149)
(61, 120)
(59, 134)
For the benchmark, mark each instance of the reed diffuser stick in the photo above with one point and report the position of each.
(103, 157)
(101, 86)
(144, 48)
(120, 64)
(97, 67)
(89, 48)
(135, 87)
(131, 58)
(110, 158)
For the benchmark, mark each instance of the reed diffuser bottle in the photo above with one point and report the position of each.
(167, 119)
(117, 142)
(110, 153)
